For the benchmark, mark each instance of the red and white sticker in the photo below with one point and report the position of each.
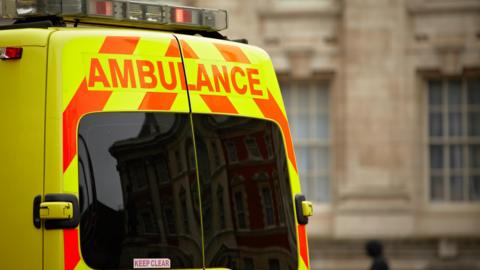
(151, 263)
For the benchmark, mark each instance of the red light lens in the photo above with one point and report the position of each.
(104, 8)
(10, 53)
(182, 15)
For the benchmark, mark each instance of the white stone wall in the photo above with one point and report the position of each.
(375, 54)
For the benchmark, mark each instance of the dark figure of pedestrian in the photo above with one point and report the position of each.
(375, 250)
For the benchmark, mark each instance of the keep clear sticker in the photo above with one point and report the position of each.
(151, 263)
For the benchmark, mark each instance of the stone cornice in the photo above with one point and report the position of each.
(300, 11)
(442, 6)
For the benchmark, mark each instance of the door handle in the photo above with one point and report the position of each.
(56, 210)
(307, 208)
(304, 209)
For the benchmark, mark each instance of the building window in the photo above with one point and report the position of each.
(268, 143)
(252, 147)
(169, 219)
(307, 105)
(183, 201)
(149, 224)
(240, 210)
(138, 175)
(207, 217)
(161, 170)
(454, 139)
(281, 211)
(191, 158)
(178, 160)
(248, 264)
(221, 207)
(232, 264)
(273, 264)
(216, 156)
(267, 201)
(231, 152)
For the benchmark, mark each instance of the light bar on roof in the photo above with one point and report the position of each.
(149, 12)
(14, 9)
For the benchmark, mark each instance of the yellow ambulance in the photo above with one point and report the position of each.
(135, 136)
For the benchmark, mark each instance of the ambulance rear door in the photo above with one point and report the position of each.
(246, 164)
(119, 140)
(23, 66)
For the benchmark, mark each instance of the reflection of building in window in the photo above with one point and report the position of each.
(278, 197)
(252, 148)
(207, 218)
(307, 105)
(273, 264)
(260, 176)
(240, 209)
(454, 139)
(160, 207)
(268, 143)
(148, 222)
(169, 219)
(265, 193)
(221, 207)
(161, 171)
(231, 152)
(179, 162)
(268, 206)
(237, 196)
(233, 263)
(191, 157)
(248, 264)
(183, 202)
(216, 156)
(138, 175)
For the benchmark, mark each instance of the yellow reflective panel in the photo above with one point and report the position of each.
(95, 70)
(22, 106)
(227, 76)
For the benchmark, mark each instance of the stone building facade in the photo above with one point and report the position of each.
(383, 98)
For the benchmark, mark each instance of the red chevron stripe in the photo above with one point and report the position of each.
(119, 45)
(70, 251)
(174, 51)
(187, 51)
(271, 110)
(302, 239)
(83, 102)
(158, 101)
(219, 104)
(232, 53)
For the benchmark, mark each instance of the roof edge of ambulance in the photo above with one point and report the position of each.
(142, 32)
(40, 36)
(242, 45)
(25, 37)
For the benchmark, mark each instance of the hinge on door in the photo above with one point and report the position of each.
(37, 222)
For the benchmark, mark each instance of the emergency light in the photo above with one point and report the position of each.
(151, 12)
(8, 53)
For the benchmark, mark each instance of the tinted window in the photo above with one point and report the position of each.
(246, 196)
(138, 190)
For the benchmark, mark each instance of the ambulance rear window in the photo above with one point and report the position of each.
(149, 190)
(248, 215)
(131, 166)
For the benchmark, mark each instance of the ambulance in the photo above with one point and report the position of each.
(135, 136)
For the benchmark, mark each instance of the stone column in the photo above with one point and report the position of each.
(373, 165)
